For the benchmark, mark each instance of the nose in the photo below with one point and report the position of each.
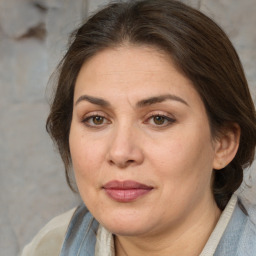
(125, 148)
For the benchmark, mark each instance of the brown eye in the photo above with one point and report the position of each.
(95, 121)
(159, 120)
(98, 120)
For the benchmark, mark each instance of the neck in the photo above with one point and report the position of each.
(187, 239)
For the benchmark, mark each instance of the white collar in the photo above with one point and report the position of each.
(219, 229)
(104, 243)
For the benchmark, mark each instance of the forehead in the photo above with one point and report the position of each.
(128, 59)
(133, 71)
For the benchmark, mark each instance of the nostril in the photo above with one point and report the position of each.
(121, 164)
(124, 154)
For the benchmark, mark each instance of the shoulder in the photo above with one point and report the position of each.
(239, 237)
(247, 242)
(49, 239)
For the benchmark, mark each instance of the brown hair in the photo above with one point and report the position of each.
(198, 47)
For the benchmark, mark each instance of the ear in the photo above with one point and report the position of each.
(226, 145)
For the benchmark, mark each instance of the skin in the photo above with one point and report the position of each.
(166, 145)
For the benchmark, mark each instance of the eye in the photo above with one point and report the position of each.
(95, 120)
(160, 120)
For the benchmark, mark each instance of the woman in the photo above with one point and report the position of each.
(153, 112)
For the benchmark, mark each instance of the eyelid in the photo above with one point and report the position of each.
(90, 115)
(170, 118)
(94, 113)
(159, 113)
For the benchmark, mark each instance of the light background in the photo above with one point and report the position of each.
(33, 37)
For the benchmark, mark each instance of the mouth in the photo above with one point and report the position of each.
(126, 191)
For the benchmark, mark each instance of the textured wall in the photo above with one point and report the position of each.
(33, 37)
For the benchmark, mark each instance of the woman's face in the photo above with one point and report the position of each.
(140, 142)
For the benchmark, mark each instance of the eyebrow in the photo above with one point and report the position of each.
(141, 103)
(93, 100)
(159, 99)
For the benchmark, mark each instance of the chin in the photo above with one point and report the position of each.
(125, 225)
(126, 230)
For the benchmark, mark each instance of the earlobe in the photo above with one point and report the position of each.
(226, 146)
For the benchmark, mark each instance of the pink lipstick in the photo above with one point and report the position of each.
(126, 191)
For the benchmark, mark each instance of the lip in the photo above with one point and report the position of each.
(126, 191)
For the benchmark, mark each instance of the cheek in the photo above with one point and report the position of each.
(186, 159)
(85, 169)
(85, 160)
(184, 172)
(85, 155)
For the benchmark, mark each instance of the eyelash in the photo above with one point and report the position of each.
(90, 118)
(166, 120)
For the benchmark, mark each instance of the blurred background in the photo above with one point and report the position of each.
(33, 38)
